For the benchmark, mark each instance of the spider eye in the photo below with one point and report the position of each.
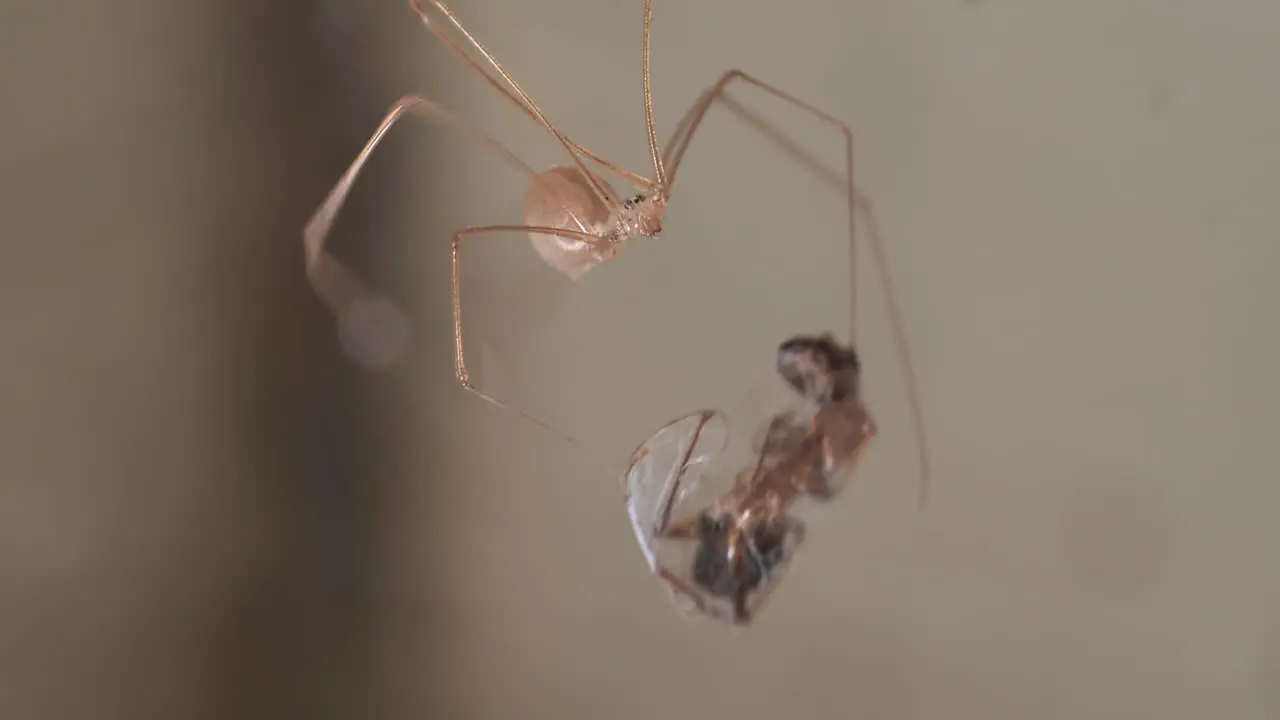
(632, 202)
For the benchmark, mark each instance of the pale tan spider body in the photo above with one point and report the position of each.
(561, 198)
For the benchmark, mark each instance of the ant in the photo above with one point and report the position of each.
(745, 538)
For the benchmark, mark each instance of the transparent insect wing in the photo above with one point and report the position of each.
(718, 555)
(653, 479)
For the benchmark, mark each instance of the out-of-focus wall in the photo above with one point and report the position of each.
(206, 510)
(195, 502)
(1074, 199)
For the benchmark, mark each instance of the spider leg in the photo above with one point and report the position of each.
(460, 362)
(675, 153)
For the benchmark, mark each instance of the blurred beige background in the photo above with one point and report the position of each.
(206, 510)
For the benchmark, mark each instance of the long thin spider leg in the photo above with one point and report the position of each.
(603, 195)
(460, 361)
(896, 321)
(679, 145)
(688, 126)
(659, 172)
(586, 152)
(902, 345)
(496, 84)
(333, 282)
(679, 137)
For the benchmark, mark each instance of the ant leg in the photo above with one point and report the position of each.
(341, 289)
(741, 613)
(678, 587)
(460, 362)
(679, 144)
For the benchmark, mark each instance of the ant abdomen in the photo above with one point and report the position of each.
(736, 560)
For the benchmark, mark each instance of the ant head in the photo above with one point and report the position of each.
(819, 368)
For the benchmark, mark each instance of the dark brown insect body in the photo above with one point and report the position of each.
(745, 538)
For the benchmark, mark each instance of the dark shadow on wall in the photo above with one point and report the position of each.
(301, 636)
(201, 508)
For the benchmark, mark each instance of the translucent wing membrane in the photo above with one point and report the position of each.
(692, 445)
(675, 486)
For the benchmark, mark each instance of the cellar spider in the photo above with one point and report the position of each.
(573, 216)
(723, 560)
